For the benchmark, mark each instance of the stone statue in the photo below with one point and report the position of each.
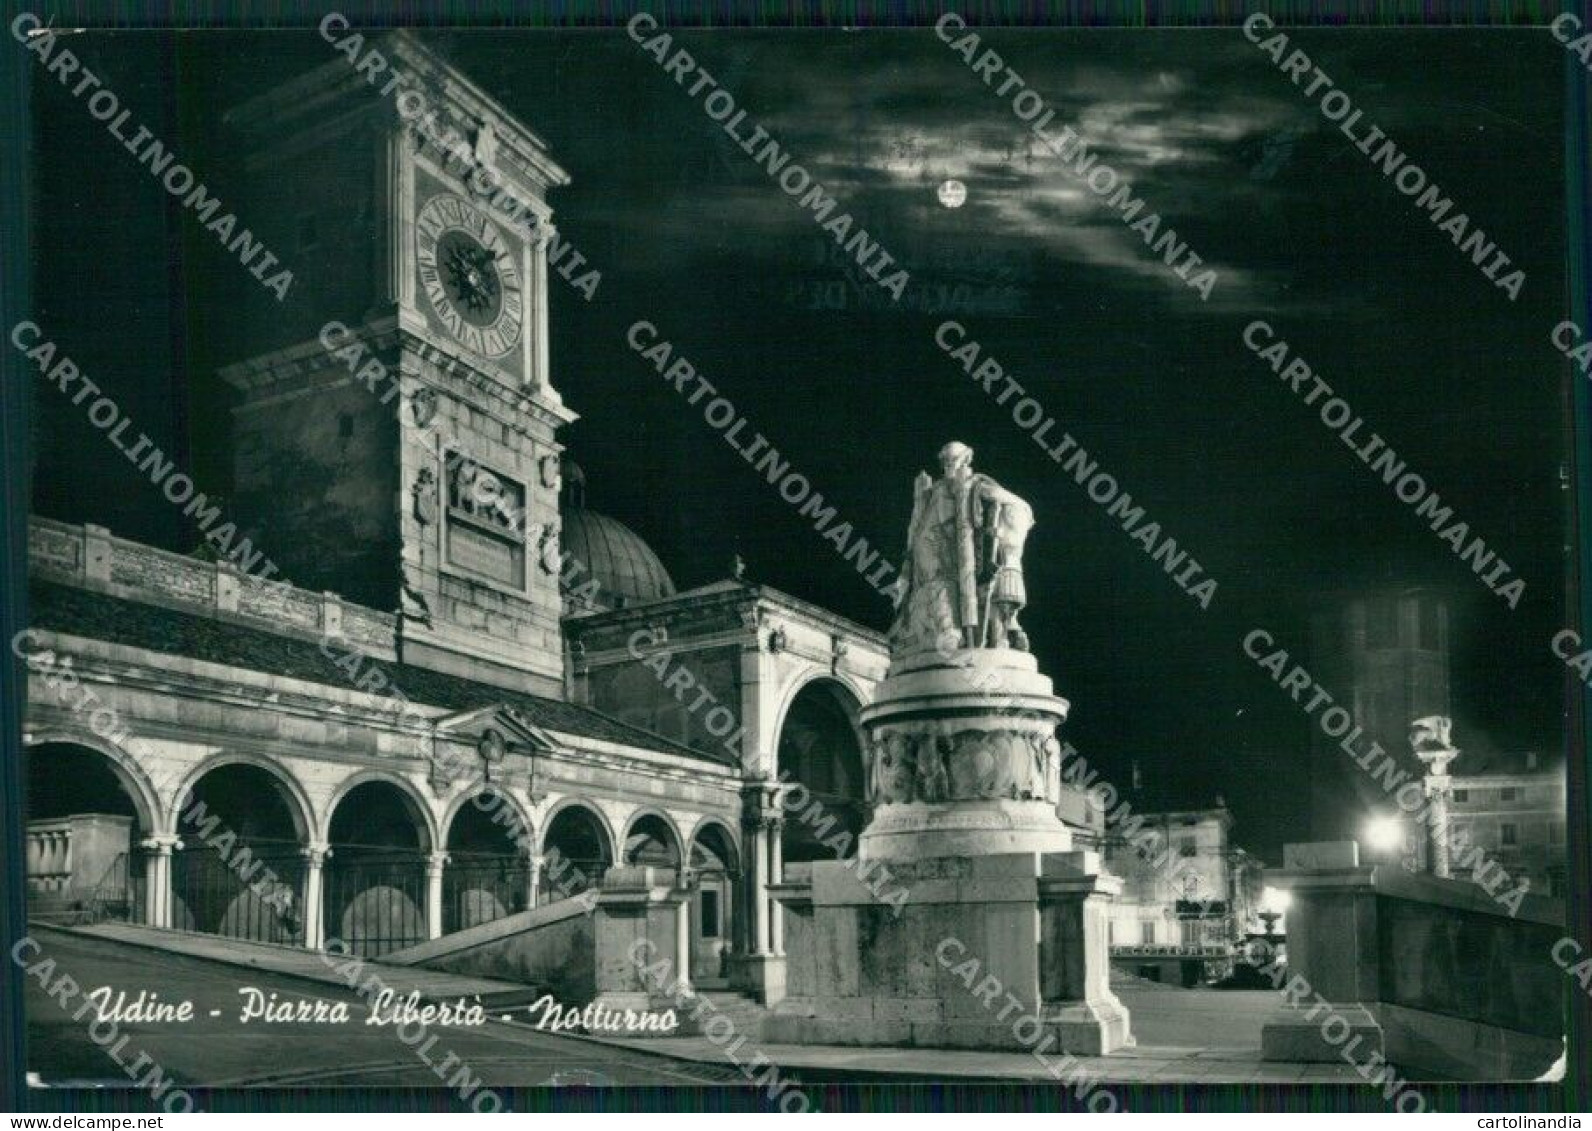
(1431, 734)
(1004, 595)
(933, 783)
(963, 569)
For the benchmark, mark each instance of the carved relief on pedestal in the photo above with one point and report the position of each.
(933, 763)
(893, 769)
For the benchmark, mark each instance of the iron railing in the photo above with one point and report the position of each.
(479, 889)
(115, 896)
(375, 899)
(253, 892)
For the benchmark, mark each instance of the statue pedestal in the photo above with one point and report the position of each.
(967, 763)
(1003, 951)
(967, 921)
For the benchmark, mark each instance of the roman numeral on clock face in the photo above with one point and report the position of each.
(468, 272)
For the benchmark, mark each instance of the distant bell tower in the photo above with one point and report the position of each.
(1384, 656)
(396, 434)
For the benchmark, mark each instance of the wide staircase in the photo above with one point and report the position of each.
(547, 950)
(552, 949)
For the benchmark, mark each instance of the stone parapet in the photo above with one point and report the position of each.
(91, 557)
(1435, 975)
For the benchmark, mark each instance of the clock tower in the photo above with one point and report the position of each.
(396, 434)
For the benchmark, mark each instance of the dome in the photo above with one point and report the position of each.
(625, 567)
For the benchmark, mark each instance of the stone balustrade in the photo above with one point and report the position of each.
(92, 557)
(67, 857)
(49, 856)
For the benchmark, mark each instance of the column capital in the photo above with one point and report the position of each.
(761, 800)
(541, 235)
(436, 861)
(316, 852)
(162, 844)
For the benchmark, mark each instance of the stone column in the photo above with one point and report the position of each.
(1439, 788)
(533, 879)
(1429, 738)
(434, 865)
(315, 854)
(682, 934)
(157, 878)
(760, 971)
(776, 873)
(757, 905)
(538, 357)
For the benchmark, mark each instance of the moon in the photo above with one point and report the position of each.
(952, 194)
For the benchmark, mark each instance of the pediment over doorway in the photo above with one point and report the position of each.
(481, 740)
(519, 734)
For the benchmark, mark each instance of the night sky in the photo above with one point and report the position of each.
(690, 234)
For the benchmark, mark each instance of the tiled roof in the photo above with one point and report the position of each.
(81, 612)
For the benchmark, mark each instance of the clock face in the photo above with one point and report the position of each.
(469, 275)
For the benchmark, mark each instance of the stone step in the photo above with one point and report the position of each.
(739, 1009)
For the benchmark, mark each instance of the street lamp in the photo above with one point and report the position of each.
(1384, 835)
(1274, 903)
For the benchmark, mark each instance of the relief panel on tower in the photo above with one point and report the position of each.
(470, 279)
(485, 532)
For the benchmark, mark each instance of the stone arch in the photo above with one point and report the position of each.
(591, 808)
(717, 887)
(89, 809)
(296, 800)
(378, 876)
(577, 846)
(466, 799)
(487, 875)
(676, 843)
(848, 692)
(420, 809)
(243, 823)
(153, 814)
(731, 838)
(820, 745)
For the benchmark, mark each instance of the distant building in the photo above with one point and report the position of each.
(1383, 655)
(1507, 820)
(1188, 896)
(1514, 810)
